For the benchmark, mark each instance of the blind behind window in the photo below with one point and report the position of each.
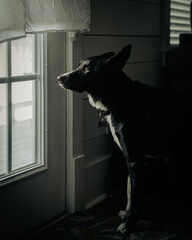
(179, 19)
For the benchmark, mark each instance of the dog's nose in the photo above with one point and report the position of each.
(59, 79)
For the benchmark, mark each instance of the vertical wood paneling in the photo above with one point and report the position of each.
(125, 17)
(145, 72)
(98, 180)
(143, 48)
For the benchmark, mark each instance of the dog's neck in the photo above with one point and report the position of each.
(103, 98)
(98, 104)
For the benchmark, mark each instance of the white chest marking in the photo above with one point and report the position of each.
(99, 105)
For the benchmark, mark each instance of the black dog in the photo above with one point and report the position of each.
(143, 120)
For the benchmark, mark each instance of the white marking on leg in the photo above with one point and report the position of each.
(128, 193)
(115, 138)
(122, 228)
(122, 214)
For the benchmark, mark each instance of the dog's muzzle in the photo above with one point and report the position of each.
(59, 79)
(70, 82)
(63, 80)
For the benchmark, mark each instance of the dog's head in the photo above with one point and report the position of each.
(94, 71)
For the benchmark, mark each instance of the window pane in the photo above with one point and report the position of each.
(22, 56)
(3, 60)
(3, 128)
(23, 124)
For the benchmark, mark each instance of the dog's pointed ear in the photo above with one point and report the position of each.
(120, 59)
(107, 55)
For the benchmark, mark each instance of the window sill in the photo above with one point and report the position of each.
(23, 174)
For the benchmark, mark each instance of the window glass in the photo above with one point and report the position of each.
(22, 56)
(3, 128)
(3, 60)
(23, 124)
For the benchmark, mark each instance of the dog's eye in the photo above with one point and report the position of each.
(86, 69)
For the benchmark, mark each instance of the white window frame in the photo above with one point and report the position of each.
(41, 77)
(179, 20)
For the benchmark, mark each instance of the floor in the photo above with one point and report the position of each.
(164, 217)
(167, 209)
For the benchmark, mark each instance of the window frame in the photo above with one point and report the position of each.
(40, 77)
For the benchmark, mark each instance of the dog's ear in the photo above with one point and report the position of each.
(120, 59)
(107, 55)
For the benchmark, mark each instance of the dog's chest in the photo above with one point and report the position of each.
(99, 105)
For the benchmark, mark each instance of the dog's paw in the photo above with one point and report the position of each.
(122, 228)
(122, 214)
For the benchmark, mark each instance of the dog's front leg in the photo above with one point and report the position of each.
(126, 137)
(123, 214)
(130, 215)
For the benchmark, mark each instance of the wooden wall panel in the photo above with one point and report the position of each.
(97, 181)
(146, 72)
(143, 48)
(97, 149)
(112, 17)
(150, 1)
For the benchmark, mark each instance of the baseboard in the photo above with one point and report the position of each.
(96, 201)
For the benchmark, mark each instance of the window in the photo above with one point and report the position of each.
(21, 107)
(179, 19)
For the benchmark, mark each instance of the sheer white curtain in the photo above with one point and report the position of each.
(18, 17)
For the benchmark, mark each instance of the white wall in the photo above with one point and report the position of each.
(115, 24)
